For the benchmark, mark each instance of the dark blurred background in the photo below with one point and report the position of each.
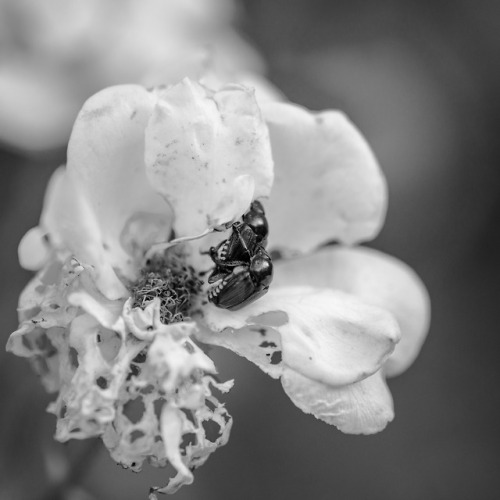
(421, 80)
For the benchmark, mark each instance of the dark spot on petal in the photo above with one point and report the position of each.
(267, 344)
(141, 357)
(135, 435)
(276, 358)
(73, 357)
(133, 372)
(102, 382)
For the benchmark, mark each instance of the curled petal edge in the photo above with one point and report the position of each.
(365, 407)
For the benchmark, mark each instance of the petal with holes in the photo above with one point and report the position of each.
(326, 335)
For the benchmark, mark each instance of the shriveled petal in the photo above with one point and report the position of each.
(201, 147)
(328, 184)
(326, 335)
(106, 312)
(73, 230)
(106, 162)
(172, 425)
(176, 359)
(365, 407)
(374, 278)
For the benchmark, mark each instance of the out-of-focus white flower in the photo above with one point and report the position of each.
(56, 53)
(113, 317)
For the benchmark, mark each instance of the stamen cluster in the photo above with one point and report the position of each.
(170, 279)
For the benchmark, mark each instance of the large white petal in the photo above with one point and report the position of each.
(73, 230)
(106, 162)
(328, 184)
(208, 154)
(326, 335)
(364, 407)
(374, 278)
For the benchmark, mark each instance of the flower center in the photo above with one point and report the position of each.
(170, 279)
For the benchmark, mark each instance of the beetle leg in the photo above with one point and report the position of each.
(246, 237)
(218, 274)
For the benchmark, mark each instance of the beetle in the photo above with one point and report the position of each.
(243, 269)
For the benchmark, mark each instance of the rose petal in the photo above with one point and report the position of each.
(73, 231)
(326, 335)
(375, 278)
(365, 407)
(33, 250)
(89, 299)
(106, 162)
(198, 146)
(172, 423)
(328, 184)
(259, 344)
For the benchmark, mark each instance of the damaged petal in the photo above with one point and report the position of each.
(328, 336)
(261, 344)
(202, 148)
(175, 358)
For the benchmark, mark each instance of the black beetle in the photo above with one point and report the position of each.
(243, 269)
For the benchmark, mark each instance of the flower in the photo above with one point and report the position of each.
(57, 53)
(114, 316)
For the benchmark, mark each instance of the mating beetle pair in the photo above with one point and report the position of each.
(243, 268)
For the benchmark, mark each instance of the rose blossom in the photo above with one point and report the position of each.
(113, 318)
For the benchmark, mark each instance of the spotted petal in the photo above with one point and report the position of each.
(364, 407)
(106, 162)
(374, 278)
(208, 154)
(328, 184)
(326, 336)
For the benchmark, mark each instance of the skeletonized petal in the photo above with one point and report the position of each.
(106, 162)
(374, 278)
(327, 336)
(208, 154)
(328, 184)
(364, 407)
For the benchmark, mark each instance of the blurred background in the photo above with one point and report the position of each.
(421, 80)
